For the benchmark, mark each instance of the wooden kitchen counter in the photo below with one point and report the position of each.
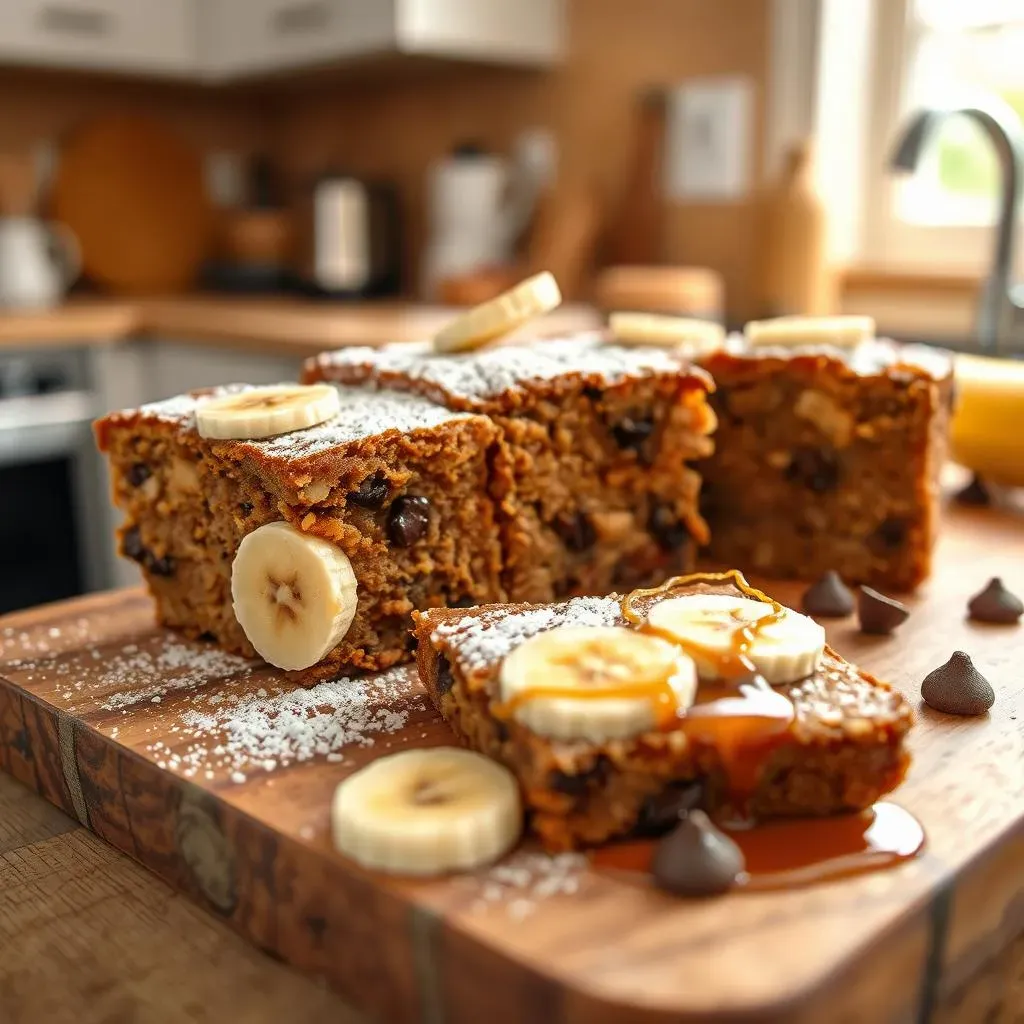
(281, 326)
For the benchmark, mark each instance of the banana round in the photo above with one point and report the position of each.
(551, 681)
(838, 331)
(293, 595)
(266, 412)
(706, 625)
(531, 298)
(693, 337)
(426, 812)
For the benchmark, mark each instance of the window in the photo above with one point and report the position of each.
(935, 53)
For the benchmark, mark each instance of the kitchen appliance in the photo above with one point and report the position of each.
(478, 205)
(350, 238)
(54, 525)
(38, 262)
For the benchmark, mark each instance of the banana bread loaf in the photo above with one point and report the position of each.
(593, 474)
(605, 707)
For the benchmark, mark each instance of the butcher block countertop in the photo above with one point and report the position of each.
(105, 714)
(273, 325)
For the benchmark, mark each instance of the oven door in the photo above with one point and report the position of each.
(50, 499)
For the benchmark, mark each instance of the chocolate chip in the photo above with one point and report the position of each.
(372, 493)
(663, 810)
(632, 434)
(463, 602)
(879, 614)
(408, 520)
(245, 509)
(445, 678)
(829, 598)
(958, 688)
(578, 533)
(592, 393)
(132, 546)
(576, 784)
(890, 534)
(815, 468)
(138, 473)
(160, 566)
(995, 604)
(667, 529)
(696, 859)
(975, 493)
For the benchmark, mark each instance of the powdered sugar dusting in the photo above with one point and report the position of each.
(364, 413)
(239, 734)
(483, 640)
(490, 372)
(173, 666)
(526, 878)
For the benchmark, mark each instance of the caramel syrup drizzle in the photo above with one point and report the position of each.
(738, 713)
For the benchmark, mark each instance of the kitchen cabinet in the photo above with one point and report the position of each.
(248, 37)
(148, 36)
(171, 366)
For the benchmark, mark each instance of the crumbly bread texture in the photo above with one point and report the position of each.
(827, 460)
(593, 472)
(842, 751)
(189, 502)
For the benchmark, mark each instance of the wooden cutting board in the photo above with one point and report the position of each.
(132, 191)
(154, 743)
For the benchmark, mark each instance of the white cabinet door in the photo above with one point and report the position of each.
(249, 36)
(151, 36)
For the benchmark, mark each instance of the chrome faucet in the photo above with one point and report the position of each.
(1000, 318)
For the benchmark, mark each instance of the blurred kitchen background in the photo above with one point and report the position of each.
(198, 191)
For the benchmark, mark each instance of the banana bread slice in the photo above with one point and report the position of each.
(594, 472)
(828, 459)
(396, 483)
(828, 742)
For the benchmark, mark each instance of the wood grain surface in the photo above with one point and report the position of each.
(896, 946)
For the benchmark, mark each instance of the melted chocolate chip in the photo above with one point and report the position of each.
(245, 509)
(958, 688)
(138, 473)
(372, 492)
(160, 566)
(132, 546)
(408, 520)
(891, 534)
(463, 602)
(670, 532)
(632, 434)
(879, 614)
(975, 493)
(592, 393)
(578, 533)
(996, 604)
(578, 783)
(829, 597)
(696, 859)
(663, 810)
(816, 468)
(445, 678)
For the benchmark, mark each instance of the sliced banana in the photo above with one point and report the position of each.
(425, 812)
(596, 683)
(531, 298)
(694, 337)
(707, 625)
(838, 331)
(264, 412)
(294, 595)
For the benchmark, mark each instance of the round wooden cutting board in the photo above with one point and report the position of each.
(133, 193)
